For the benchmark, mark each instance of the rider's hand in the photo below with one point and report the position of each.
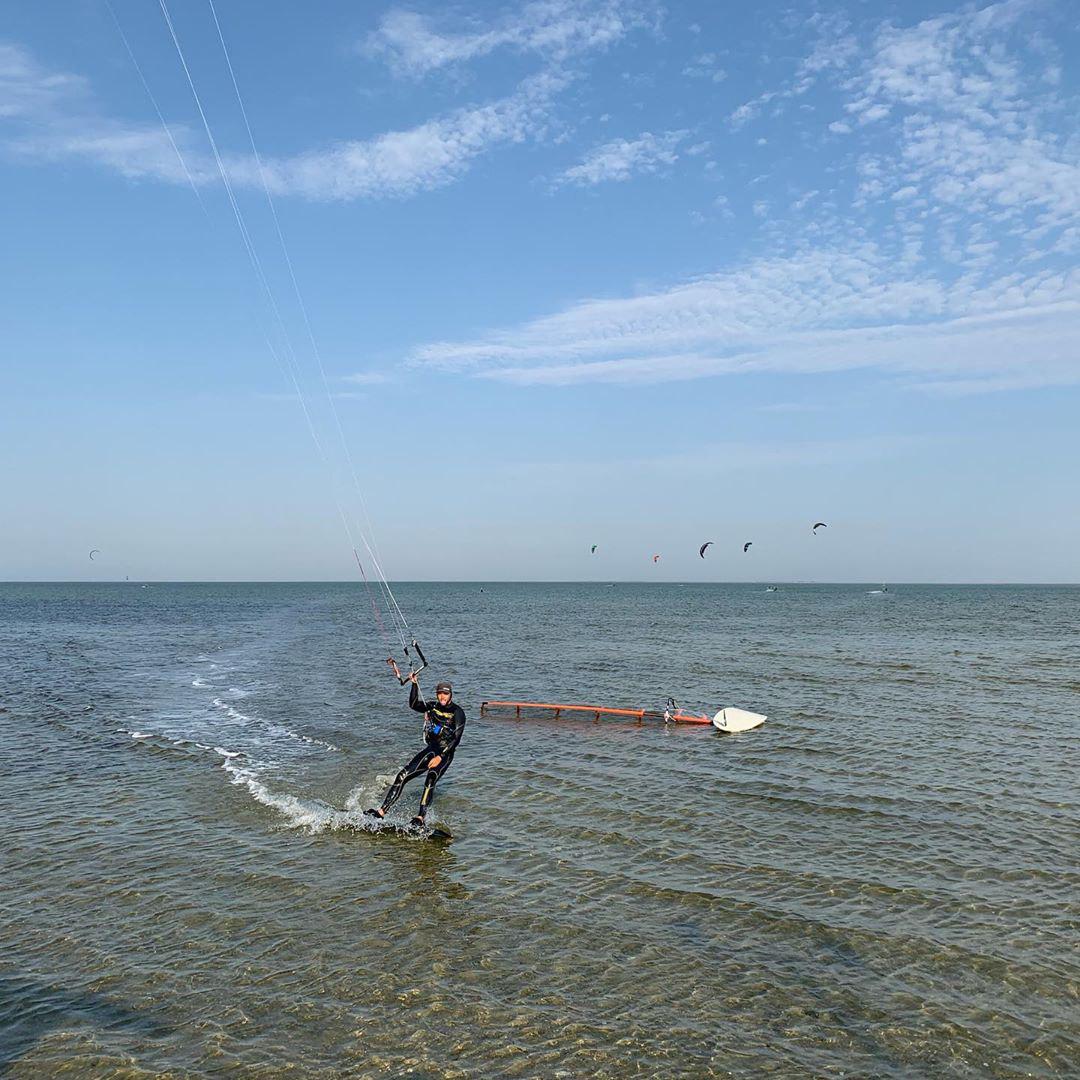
(435, 762)
(413, 679)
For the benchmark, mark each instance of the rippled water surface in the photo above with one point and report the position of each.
(881, 882)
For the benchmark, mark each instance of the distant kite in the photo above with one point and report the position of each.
(701, 550)
(96, 551)
(592, 550)
(656, 558)
(746, 546)
(819, 525)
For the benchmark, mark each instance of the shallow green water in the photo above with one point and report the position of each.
(882, 881)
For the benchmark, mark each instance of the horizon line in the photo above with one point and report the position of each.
(511, 581)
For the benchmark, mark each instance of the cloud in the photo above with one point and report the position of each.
(834, 50)
(813, 312)
(622, 158)
(27, 89)
(971, 199)
(996, 384)
(367, 378)
(967, 109)
(790, 407)
(402, 163)
(56, 118)
(705, 66)
(414, 44)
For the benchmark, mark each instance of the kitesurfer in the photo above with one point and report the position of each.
(444, 722)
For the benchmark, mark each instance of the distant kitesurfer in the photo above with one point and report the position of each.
(444, 723)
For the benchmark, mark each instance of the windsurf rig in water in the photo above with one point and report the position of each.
(302, 366)
(729, 720)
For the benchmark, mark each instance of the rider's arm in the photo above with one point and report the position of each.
(416, 702)
(459, 728)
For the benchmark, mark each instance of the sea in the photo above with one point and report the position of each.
(881, 881)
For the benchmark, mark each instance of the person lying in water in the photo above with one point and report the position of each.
(444, 722)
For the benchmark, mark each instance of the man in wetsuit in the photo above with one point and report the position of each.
(444, 722)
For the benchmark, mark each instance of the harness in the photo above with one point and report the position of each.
(435, 719)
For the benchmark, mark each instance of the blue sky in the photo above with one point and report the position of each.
(577, 272)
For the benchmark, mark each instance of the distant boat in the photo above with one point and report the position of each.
(770, 588)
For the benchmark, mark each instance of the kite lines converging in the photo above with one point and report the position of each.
(326, 432)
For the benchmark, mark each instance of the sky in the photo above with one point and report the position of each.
(481, 285)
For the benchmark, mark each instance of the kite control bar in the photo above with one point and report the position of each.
(413, 669)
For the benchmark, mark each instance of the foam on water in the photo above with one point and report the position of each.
(309, 814)
(271, 727)
(248, 773)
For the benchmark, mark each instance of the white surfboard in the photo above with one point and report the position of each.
(733, 720)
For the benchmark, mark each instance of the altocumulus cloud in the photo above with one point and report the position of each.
(969, 204)
(620, 159)
(416, 45)
(53, 116)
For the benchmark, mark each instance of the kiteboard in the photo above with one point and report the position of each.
(732, 721)
(438, 831)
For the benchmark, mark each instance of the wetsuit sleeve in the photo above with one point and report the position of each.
(416, 702)
(459, 728)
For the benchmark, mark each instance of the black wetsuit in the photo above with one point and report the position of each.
(443, 726)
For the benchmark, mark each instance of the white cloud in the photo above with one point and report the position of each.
(415, 44)
(401, 163)
(750, 109)
(814, 312)
(367, 378)
(962, 173)
(966, 132)
(57, 118)
(705, 66)
(790, 407)
(834, 51)
(622, 158)
(28, 90)
(968, 119)
(723, 205)
(996, 384)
